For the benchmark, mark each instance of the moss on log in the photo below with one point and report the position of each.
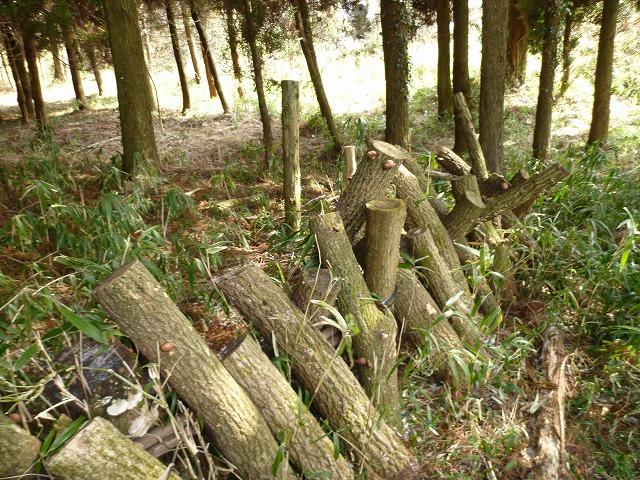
(18, 449)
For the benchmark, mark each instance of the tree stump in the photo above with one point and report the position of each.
(18, 449)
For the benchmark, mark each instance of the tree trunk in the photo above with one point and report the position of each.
(310, 449)
(100, 451)
(305, 32)
(58, 71)
(31, 55)
(207, 54)
(18, 449)
(90, 49)
(232, 34)
(375, 344)
(144, 31)
(136, 123)
(74, 65)
(516, 45)
(136, 302)
(184, 11)
(599, 130)
(567, 46)
(177, 55)
(460, 62)
(335, 391)
(256, 59)
(291, 154)
(17, 54)
(396, 21)
(492, 78)
(350, 165)
(20, 88)
(445, 98)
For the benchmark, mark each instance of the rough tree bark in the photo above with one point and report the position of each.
(324, 373)
(177, 55)
(568, 43)
(232, 35)
(137, 303)
(100, 451)
(58, 71)
(544, 108)
(90, 50)
(291, 154)
(599, 130)
(16, 55)
(18, 449)
(516, 45)
(21, 89)
(305, 32)
(468, 208)
(492, 81)
(445, 98)
(309, 447)
(136, 124)
(73, 58)
(460, 62)
(31, 56)
(184, 12)
(396, 21)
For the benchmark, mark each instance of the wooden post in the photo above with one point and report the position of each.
(137, 303)
(375, 345)
(291, 154)
(350, 164)
(18, 449)
(310, 449)
(100, 451)
(335, 391)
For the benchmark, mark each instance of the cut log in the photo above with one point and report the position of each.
(375, 345)
(335, 391)
(309, 448)
(100, 451)
(350, 164)
(452, 163)
(549, 462)
(468, 208)
(143, 311)
(18, 449)
(371, 181)
(478, 163)
(494, 184)
(291, 154)
(518, 179)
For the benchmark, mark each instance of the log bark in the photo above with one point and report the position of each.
(478, 163)
(309, 448)
(469, 206)
(184, 11)
(291, 154)
(371, 181)
(18, 449)
(375, 345)
(100, 451)
(336, 392)
(452, 163)
(71, 46)
(145, 313)
(350, 164)
(177, 54)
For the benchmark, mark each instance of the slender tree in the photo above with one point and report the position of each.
(31, 55)
(599, 130)
(136, 123)
(74, 64)
(544, 109)
(492, 81)
(568, 43)
(232, 35)
(460, 62)
(15, 56)
(516, 45)
(445, 93)
(396, 22)
(184, 12)
(305, 33)
(92, 56)
(175, 44)
(58, 71)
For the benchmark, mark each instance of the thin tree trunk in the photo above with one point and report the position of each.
(34, 76)
(74, 65)
(18, 449)
(90, 50)
(58, 71)
(136, 123)
(256, 58)
(599, 130)
(175, 44)
(291, 154)
(445, 95)
(460, 62)
(17, 53)
(232, 34)
(20, 91)
(567, 46)
(184, 11)
(136, 302)
(396, 21)
(305, 32)
(207, 54)
(144, 31)
(516, 45)
(492, 81)
(544, 108)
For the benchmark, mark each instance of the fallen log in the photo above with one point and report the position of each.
(452, 163)
(478, 163)
(137, 303)
(309, 448)
(371, 181)
(335, 391)
(100, 451)
(375, 344)
(18, 449)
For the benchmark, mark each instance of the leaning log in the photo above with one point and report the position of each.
(335, 391)
(143, 311)
(478, 163)
(451, 162)
(350, 165)
(100, 451)
(375, 345)
(18, 449)
(310, 449)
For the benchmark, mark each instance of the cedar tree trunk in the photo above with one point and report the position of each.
(460, 61)
(445, 98)
(184, 11)
(175, 45)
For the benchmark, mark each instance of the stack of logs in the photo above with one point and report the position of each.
(248, 407)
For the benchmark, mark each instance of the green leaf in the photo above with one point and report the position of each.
(82, 324)
(25, 357)
(66, 435)
(278, 460)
